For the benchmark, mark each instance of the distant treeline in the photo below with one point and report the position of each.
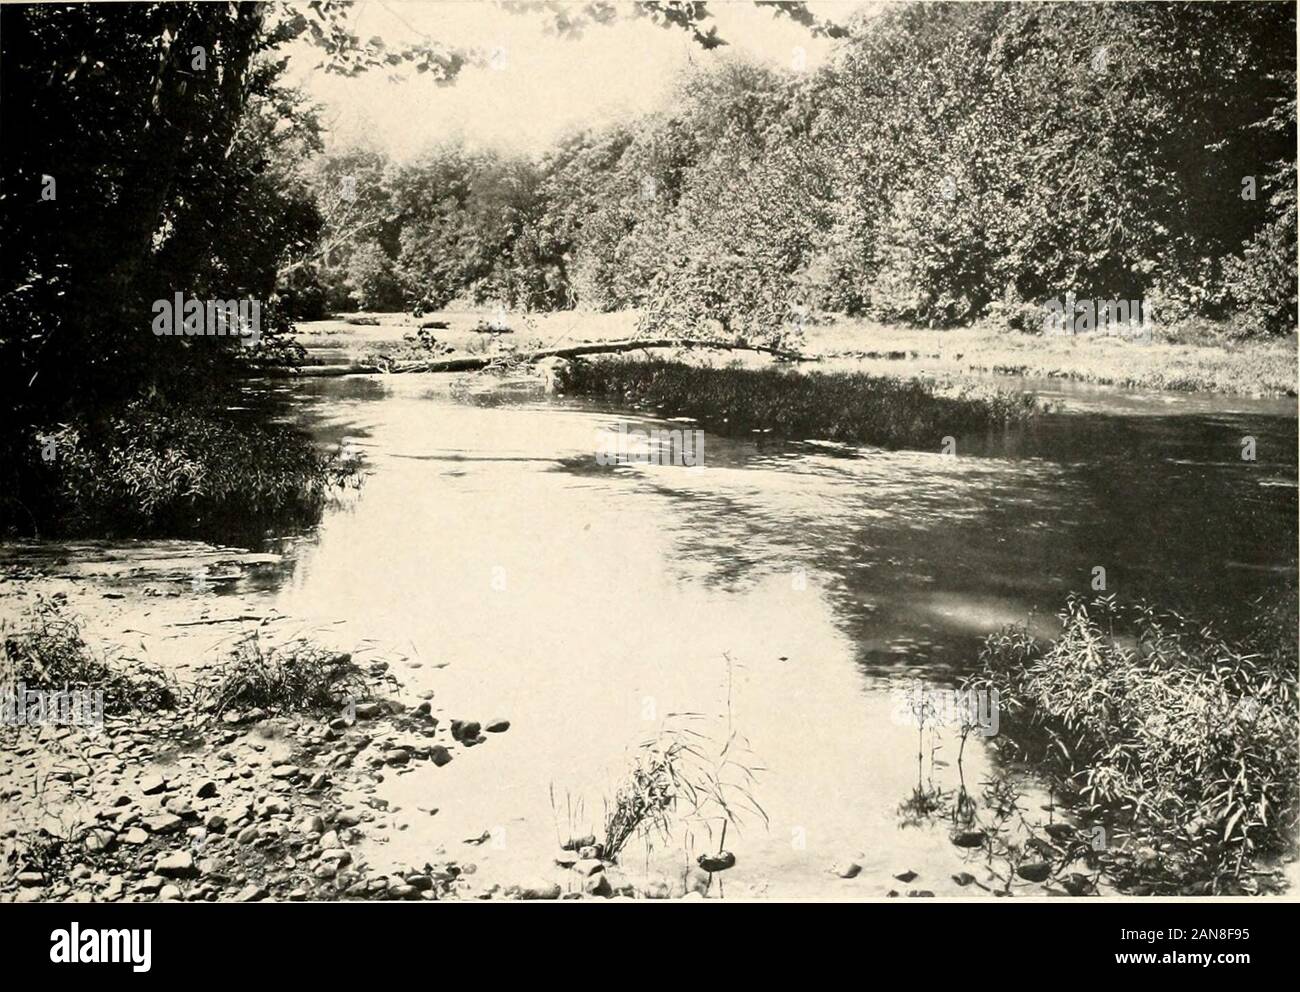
(950, 163)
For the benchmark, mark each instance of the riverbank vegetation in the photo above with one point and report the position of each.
(1177, 741)
(45, 650)
(1197, 357)
(850, 408)
(905, 181)
(166, 469)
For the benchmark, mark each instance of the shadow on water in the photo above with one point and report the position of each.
(564, 594)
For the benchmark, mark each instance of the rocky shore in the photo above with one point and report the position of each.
(200, 803)
(176, 806)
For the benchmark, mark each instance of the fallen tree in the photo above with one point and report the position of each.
(473, 363)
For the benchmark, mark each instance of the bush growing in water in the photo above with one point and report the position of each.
(152, 469)
(1184, 739)
(852, 408)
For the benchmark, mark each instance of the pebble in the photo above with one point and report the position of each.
(152, 784)
(163, 823)
(179, 864)
(536, 889)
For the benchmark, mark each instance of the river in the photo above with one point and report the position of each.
(782, 592)
(777, 596)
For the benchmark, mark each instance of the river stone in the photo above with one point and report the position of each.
(134, 836)
(178, 864)
(100, 840)
(1035, 871)
(439, 755)
(717, 862)
(465, 729)
(180, 807)
(163, 823)
(696, 883)
(619, 884)
(968, 838)
(497, 726)
(535, 889)
(152, 784)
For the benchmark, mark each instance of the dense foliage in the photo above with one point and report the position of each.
(952, 162)
(1177, 740)
(949, 163)
(151, 468)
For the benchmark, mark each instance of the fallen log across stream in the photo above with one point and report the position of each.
(473, 363)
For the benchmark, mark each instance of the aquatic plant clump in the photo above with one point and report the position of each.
(1180, 742)
(847, 407)
(155, 469)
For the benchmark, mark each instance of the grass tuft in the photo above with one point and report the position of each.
(294, 677)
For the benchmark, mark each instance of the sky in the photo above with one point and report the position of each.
(538, 86)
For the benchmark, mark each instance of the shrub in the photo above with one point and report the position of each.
(1183, 738)
(152, 469)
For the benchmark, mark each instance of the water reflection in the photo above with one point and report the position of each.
(586, 602)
